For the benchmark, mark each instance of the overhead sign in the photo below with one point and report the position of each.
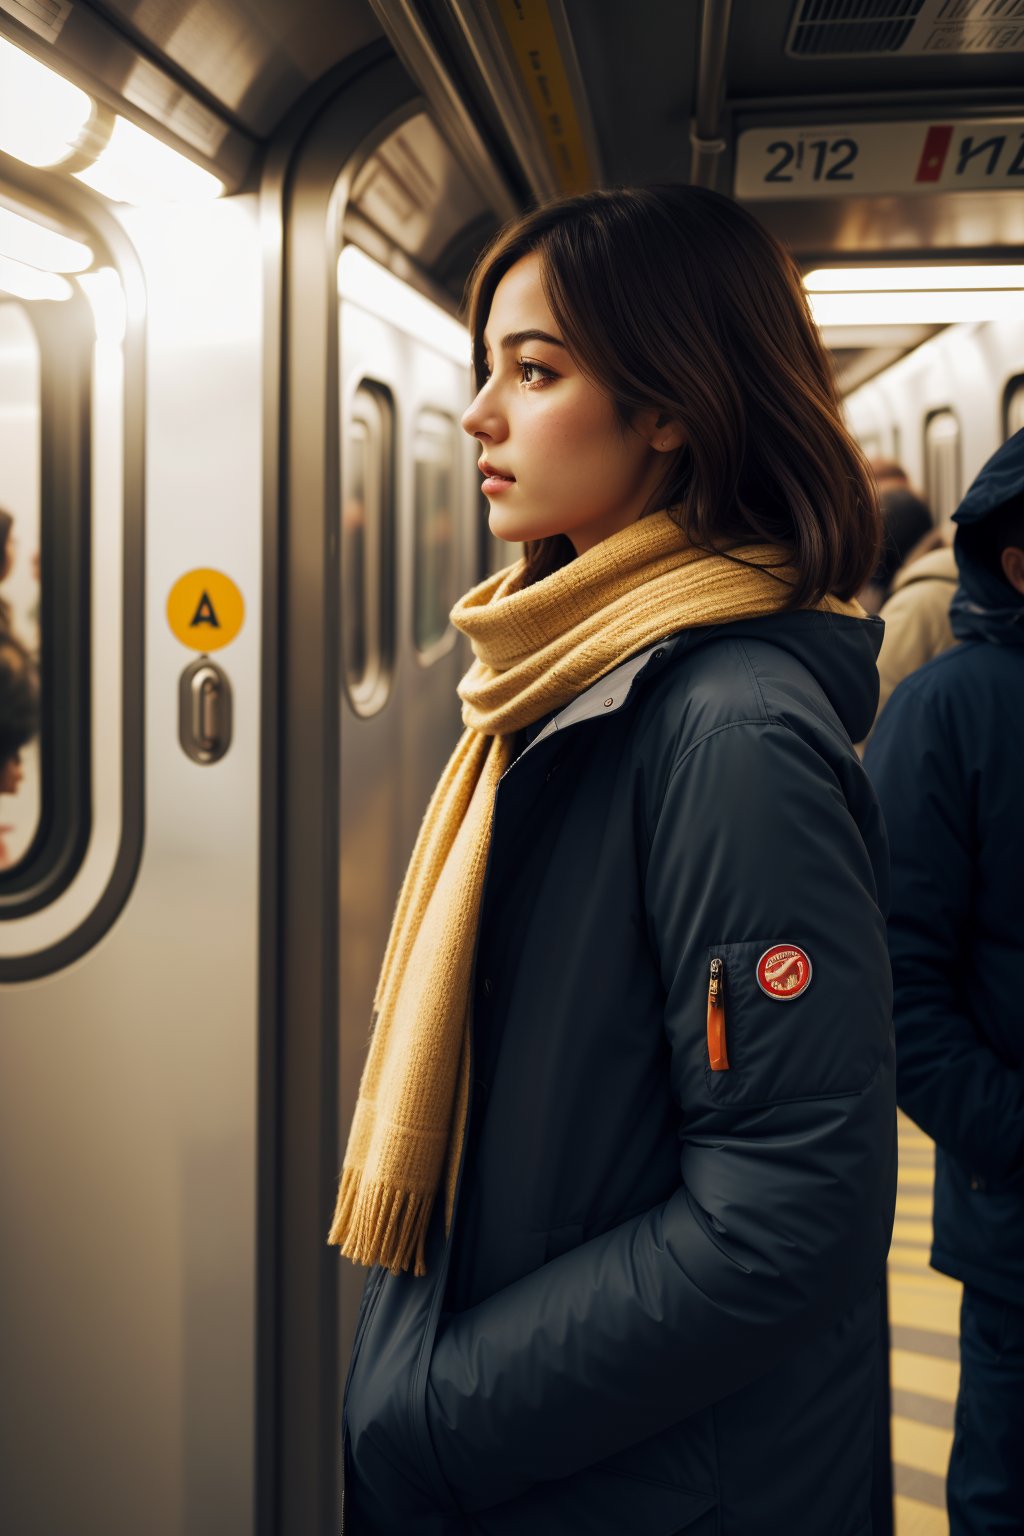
(205, 609)
(850, 159)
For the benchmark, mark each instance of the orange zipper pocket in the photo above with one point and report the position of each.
(718, 1056)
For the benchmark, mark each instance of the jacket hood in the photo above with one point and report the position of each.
(839, 651)
(985, 607)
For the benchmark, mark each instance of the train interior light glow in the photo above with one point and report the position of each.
(365, 282)
(946, 279)
(916, 308)
(25, 282)
(42, 115)
(137, 168)
(108, 303)
(34, 245)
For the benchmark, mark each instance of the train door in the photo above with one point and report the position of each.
(129, 892)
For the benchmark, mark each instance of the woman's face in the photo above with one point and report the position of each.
(568, 465)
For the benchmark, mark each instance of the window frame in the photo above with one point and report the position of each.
(940, 512)
(68, 831)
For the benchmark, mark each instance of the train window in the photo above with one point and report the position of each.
(1013, 406)
(72, 402)
(435, 578)
(942, 463)
(367, 548)
(20, 469)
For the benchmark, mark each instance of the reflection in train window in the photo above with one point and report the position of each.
(367, 548)
(434, 569)
(1013, 406)
(20, 461)
(942, 464)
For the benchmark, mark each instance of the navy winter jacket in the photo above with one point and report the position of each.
(947, 759)
(658, 1308)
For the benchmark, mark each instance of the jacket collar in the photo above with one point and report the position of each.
(609, 693)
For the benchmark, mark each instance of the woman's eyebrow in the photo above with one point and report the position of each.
(516, 339)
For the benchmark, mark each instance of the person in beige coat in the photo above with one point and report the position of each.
(916, 617)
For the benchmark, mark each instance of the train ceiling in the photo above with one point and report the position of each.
(772, 100)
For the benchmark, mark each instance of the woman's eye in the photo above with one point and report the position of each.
(527, 367)
(533, 374)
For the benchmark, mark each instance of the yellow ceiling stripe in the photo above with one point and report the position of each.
(542, 71)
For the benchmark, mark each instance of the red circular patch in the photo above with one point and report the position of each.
(783, 972)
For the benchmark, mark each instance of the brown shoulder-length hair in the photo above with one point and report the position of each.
(675, 297)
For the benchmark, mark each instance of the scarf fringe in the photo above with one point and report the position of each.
(377, 1225)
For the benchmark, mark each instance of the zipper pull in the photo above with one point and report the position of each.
(717, 1054)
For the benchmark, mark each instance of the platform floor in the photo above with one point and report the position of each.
(924, 1328)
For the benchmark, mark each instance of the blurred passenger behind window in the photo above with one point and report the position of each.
(19, 721)
(7, 545)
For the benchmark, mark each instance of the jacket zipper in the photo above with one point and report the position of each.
(718, 1055)
(418, 1379)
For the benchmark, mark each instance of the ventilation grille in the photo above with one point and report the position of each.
(839, 28)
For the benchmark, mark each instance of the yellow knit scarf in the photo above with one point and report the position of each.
(535, 650)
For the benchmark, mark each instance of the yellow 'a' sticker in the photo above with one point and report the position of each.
(205, 610)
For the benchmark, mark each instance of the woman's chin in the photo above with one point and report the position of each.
(515, 528)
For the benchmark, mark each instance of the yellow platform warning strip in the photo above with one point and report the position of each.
(920, 1302)
(916, 1205)
(924, 1446)
(916, 1519)
(913, 1372)
(924, 1319)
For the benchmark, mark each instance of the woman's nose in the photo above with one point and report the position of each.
(470, 418)
(481, 420)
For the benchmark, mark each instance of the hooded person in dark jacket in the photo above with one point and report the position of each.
(623, 1163)
(947, 759)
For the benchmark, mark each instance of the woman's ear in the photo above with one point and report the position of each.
(662, 431)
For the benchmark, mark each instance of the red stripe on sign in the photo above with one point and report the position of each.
(933, 155)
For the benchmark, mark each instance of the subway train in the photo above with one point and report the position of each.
(234, 240)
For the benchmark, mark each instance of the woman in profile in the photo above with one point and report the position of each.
(623, 1162)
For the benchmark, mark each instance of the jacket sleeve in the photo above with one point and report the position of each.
(949, 1079)
(784, 1207)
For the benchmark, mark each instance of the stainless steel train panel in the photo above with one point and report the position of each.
(128, 1078)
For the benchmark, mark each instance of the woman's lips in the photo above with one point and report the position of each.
(495, 483)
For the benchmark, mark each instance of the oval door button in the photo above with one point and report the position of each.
(204, 711)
